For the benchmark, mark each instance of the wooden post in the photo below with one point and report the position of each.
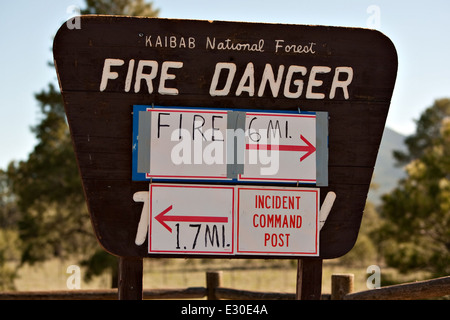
(341, 285)
(213, 281)
(309, 279)
(130, 278)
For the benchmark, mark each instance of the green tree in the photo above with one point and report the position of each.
(121, 7)
(54, 221)
(417, 213)
(427, 131)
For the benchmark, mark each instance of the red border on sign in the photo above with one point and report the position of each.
(149, 176)
(275, 114)
(275, 179)
(184, 251)
(224, 178)
(316, 236)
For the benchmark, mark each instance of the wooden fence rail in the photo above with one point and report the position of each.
(104, 294)
(341, 288)
(427, 289)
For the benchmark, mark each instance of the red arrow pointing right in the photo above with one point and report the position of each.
(309, 148)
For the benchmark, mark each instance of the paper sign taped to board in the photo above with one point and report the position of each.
(192, 144)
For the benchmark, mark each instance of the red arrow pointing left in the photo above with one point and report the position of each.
(163, 218)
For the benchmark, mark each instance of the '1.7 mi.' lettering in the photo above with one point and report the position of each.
(206, 236)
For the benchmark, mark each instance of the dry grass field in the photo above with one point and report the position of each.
(258, 275)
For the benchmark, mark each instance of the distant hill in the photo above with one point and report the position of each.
(386, 173)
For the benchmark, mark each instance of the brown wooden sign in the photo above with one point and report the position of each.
(113, 63)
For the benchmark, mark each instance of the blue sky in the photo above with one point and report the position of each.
(419, 30)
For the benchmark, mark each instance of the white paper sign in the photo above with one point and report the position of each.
(275, 221)
(188, 144)
(233, 220)
(191, 219)
(280, 147)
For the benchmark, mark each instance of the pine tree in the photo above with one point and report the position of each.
(427, 130)
(8, 235)
(417, 212)
(120, 7)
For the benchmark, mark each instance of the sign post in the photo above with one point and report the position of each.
(309, 279)
(211, 130)
(130, 278)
